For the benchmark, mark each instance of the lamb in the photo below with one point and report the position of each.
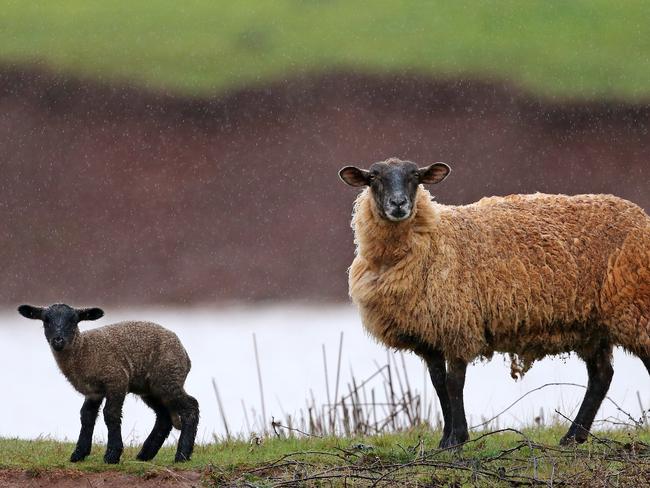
(111, 361)
(528, 275)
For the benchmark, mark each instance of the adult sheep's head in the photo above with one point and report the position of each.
(60, 321)
(393, 184)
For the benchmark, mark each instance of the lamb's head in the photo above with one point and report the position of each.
(393, 184)
(60, 321)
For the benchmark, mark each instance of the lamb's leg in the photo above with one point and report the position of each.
(455, 385)
(600, 371)
(187, 408)
(438, 372)
(113, 419)
(160, 431)
(89, 411)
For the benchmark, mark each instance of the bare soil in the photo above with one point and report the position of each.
(113, 194)
(107, 479)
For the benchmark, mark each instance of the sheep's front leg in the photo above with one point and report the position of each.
(435, 361)
(455, 384)
(113, 419)
(89, 411)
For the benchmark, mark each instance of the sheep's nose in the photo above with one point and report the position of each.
(57, 342)
(397, 201)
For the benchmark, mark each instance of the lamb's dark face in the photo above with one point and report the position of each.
(60, 322)
(393, 184)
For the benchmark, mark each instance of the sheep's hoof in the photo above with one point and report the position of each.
(77, 456)
(571, 440)
(568, 440)
(112, 456)
(453, 442)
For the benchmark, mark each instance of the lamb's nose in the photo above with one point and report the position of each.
(397, 201)
(57, 342)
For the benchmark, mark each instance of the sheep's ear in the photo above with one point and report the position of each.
(434, 173)
(90, 313)
(354, 176)
(30, 312)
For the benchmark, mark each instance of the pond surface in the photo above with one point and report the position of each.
(38, 402)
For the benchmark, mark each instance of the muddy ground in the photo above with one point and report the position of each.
(115, 195)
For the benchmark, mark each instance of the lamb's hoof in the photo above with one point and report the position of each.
(181, 458)
(112, 456)
(77, 456)
(144, 456)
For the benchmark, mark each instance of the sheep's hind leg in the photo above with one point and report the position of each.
(113, 419)
(455, 384)
(89, 411)
(600, 371)
(187, 408)
(435, 361)
(646, 362)
(160, 431)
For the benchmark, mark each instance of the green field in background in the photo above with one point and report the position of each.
(584, 49)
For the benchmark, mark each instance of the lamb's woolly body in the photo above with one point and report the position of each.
(526, 274)
(138, 357)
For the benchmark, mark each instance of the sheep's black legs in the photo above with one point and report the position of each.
(438, 372)
(187, 408)
(113, 419)
(89, 411)
(455, 385)
(161, 429)
(600, 371)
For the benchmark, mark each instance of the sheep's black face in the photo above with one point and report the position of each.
(60, 322)
(394, 183)
(393, 186)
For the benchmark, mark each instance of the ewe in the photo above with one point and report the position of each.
(528, 275)
(111, 361)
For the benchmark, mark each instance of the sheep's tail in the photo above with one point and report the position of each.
(625, 298)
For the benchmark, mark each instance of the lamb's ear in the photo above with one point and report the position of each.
(354, 176)
(30, 312)
(434, 173)
(90, 313)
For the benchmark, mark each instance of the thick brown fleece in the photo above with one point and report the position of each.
(529, 275)
(137, 357)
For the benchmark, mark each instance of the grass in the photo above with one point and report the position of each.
(578, 49)
(410, 458)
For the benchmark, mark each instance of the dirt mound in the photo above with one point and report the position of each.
(110, 194)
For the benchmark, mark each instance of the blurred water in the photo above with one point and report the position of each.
(37, 400)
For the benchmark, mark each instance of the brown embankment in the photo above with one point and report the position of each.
(115, 195)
